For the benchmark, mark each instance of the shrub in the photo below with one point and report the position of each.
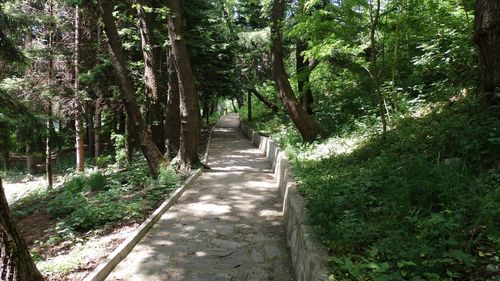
(75, 184)
(168, 177)
(96, 181)
(103, 161)
(65, 203)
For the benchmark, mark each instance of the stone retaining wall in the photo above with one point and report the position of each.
(309, 256)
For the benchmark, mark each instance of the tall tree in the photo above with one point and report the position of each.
(80, 150)
(4, 145)
(48, 140)
(151, 54)
(149, 149)
(374, 71)
(15, 260)
(189, 104)
(303, 68)
(307, 126)
(173, 117)
(487, 38)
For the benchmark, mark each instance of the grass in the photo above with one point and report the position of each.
(422, 205)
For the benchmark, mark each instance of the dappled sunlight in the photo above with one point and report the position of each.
(333, 147)
(201, 209)
(226, 226)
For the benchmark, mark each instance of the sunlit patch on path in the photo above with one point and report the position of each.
(227, 226)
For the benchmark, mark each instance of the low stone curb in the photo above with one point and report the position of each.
(103, 270)
(309, 256)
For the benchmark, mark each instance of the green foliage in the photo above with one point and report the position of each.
(167, 176)
(120, 149)
(66, 203)
(417, 207)
(89, 201)
(421, 205)
(96, 181)
(103, 160)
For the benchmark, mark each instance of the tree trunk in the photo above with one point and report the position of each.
(150, 53)
(50, 127)
(30, 160)
(249, 105)
(274, 108)
(4, 141)
(214, 104)
(91, 130)
(189, 104)
(80, 149)
(206, 108)
(173, 128)
(374, 17)
(395, 60)
(79, 145)
(48, 147)
(149, 149)
(303, 74)
(15, 259)
(487, 38)
(97, 130)
(308, 128)
(129, 139)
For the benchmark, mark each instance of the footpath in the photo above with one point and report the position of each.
(226, 226)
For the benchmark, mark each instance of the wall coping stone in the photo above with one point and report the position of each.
(309, 256)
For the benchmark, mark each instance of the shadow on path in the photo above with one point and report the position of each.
(226, 226)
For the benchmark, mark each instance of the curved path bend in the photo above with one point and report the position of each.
(226, 226)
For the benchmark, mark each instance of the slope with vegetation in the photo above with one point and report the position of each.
(406, 184)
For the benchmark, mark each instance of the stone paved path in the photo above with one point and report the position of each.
(226, 226)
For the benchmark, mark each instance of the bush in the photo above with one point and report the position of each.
(421, 205)
(168, 177)
(65, 203)
(120, 149)
(75, 184)
(103, 161)
(96, 181)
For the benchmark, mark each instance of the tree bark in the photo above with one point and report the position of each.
(303, 74)
(487, 38)
(374, 18)
(15, 259)
(30, 160)
(79, 144)
(189, 104)
(308, 128)
(264, 100)
(80, 149)
(90, 129)
(173, 128)
(4, 141)
(129, 139)
(150, 54)
(249, 106)
(97, 130)
(48, 147)
(50, 127)
(149, 149)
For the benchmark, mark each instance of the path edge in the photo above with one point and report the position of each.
(102, 271)
(107, 266)
(309, 256)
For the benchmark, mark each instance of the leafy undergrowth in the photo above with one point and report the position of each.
(86, 206)
(423, 205)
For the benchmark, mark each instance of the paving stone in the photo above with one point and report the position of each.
(226, 226)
